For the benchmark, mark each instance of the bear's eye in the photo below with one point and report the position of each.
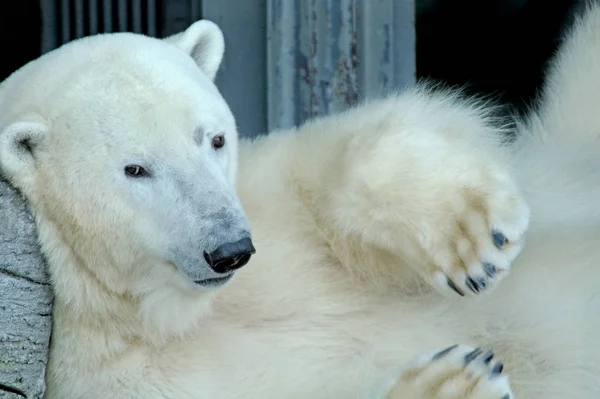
(135, 171)
(218, 141)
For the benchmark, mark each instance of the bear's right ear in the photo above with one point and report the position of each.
(204, 42)
(18, 144)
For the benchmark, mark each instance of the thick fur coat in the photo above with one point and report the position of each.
(383, 234)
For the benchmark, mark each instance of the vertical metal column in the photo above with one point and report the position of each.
(305, 58)
(151, 17)
(283, 59)
(312, 59)
(107, 8)
(242, 77)
(50, 25)
(323, 56)
(79, 18)
(175, 16)
(65, 21)
(122, 15)
(386, 37)
(136, 11)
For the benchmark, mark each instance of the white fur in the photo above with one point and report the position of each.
(351, 215)
(204, 42)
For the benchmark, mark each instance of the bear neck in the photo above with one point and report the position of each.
(102, 323)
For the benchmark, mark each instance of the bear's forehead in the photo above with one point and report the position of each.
(135, 122)
(126, 78)
(149, 72)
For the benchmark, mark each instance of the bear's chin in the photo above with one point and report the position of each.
(214, 282)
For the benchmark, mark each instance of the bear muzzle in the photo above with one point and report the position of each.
(230, 256)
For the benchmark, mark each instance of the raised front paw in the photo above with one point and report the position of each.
(470, 244)
(459, 372)
(427, 180)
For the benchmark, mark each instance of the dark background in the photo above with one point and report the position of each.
(494, 47)
(20, 32)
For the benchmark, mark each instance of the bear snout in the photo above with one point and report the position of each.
(230, 256)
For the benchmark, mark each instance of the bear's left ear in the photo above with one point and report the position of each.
(204, 42)
(18, 145)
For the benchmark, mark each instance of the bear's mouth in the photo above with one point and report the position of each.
(214, 282)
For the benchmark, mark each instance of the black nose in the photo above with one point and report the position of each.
(230, 256)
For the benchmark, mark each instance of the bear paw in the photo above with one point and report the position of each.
(459, 372)
(481, 232)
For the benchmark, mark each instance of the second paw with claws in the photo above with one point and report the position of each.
(458, 372)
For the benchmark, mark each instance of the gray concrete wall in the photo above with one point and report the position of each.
(25, 301)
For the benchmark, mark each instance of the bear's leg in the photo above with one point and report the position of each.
(459, 372)
(420, 179)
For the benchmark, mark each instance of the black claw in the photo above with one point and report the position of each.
(490, 269)
(444, 352)
(499, 240)
(487, 358)
(473, 355)
(480, 283)
(472, 285)
(455, 288)
(497, 369)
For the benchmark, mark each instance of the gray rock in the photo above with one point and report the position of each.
(25, 301)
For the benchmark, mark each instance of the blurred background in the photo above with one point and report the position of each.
(289, 60)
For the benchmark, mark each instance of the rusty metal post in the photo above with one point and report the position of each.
(325, 55)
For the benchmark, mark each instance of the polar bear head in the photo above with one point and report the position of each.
(126, 152)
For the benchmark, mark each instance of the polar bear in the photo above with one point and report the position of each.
(403, 248)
